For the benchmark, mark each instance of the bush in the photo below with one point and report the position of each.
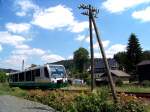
(3, 76)
(146, 83)
(90, 102)
(59, 100)
(96, 102)
(119, 82)
(129, 103)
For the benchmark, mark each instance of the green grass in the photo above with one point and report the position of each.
(5, 89)
(123, 88)
(131, 88)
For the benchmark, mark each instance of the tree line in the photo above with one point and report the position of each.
(127, 60)
(134, 54)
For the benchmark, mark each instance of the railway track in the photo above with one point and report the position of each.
(137, 94)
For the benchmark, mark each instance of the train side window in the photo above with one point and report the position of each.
(46, 72)
(16, 77)
(28, 76)
(33, 75)
(21, 76)
(37, 73)
(13, 77)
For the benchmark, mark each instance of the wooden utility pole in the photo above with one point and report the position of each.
(91, 42)
(91, 49)
(92, 12)
(105, 61)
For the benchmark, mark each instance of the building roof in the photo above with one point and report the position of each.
(145, 62)
(118, 73)
(99, 63)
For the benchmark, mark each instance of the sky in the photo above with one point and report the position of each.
(46, 31)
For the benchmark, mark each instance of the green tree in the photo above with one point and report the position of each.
(121, 58)
(3, 76)
(134, 53)
(146, 55)
(81, 57)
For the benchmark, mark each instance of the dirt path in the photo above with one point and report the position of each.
(14, 104)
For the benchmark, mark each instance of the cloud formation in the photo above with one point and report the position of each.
(18, 27)
(80, 38)
(1, 48)
(105, 44)
(115, 49)
(143, 15)
(28, 55)
(117, 6)
(110, 51)
(23, 51)
(24, 7)
(10, 39)
(58, 17)
(51, 58)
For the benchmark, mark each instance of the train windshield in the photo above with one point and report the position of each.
(57, 71)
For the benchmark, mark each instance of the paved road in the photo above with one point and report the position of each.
(14, 104)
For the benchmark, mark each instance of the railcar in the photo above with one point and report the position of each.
(46, 76)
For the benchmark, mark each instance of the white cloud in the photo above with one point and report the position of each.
(70, 57)
(25, 6)
(9, 39)
(49, 58)
(22, 46)
(30, 55)
(14, 61)
(58, 17)
(23, 52)
(78, 26)
(143, 15)
(115, 49)
(116, 6)
(29, 52)
(87, 39)
(1, 48)
(80, 38)
(20, 13)
(18, 28)
(111, 51)
(105, 44)
(97, 55)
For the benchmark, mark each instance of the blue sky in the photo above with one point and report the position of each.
(43, 31)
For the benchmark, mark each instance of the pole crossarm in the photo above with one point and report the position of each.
(87, 7)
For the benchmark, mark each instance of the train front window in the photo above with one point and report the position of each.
(57, 71)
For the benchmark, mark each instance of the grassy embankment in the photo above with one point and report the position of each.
(15, 91)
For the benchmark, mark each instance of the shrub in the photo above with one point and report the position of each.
(96, 102)
(146, 83)
(3, 76)
(119, 82)
(129, 103)
(59, 100)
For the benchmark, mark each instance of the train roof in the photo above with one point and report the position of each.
(36, 67)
